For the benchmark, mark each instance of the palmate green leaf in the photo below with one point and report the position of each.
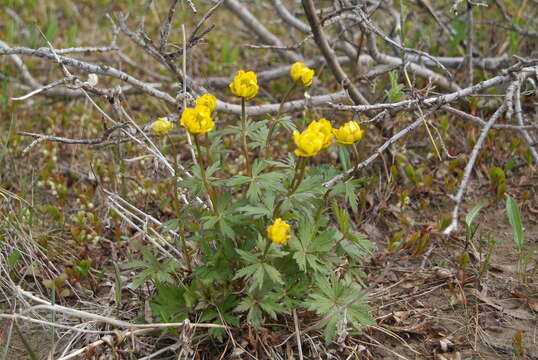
(195, 185)
(318, 264)
(286, 164)
(275, 251)
(247, 256)
(254, 315)
(351, 194)
(230, 130)
(514, 216)
(247, 272)
(237, 180)
(312, 249)
(299, 254)
(255, 273)
(266, 301)
(169, 304)
(140, 279)
(273, 273)
(258, 276)
(395, 93)
(222, 316)
(339, 294)
(324, 241)
(270, 304)
(288, 123)
(263, 182)
(258, 136)
(225, 228)
(342, 217)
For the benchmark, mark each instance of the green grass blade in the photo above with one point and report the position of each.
(473, 212)
(514, 217)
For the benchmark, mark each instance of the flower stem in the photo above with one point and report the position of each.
(300, 167)
(244, 137)
(357, 162)
(201, 163)
(275, 119)
(186, 251)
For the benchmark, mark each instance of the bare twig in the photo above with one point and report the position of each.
(469, 168)
(259, 29)
(90, 68)
(470, 42)
(378, 151)
(441, 99)
(481, 122)
(99, 318)
(109, 339)
(298, 334)
(329, 54)
(165, 30)
(519, 118)
(202, 21)
(44, 88)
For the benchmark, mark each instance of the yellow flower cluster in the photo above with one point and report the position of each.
(207, 100)
(161, 127)
(198, 120)
(348, 134)
(320, 133)
(324, 127)
(245, 85)
(317, 136)
(302, 74)
(279, 232)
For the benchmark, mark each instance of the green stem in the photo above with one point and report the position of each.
(357, 162)
(201, 163)
(302, 169)
(322, 205)
(186, 251)
(275, 119)
(177, 203)
(244, 137)
(297, 179)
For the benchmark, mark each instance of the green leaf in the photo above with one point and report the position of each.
(473, 212)
(247, 256)
(13, 258)
(344, 294)
(395, 93)
(238, 180)
(299, 254)
(169, 304)
(343, 155)
(273, 273)
(270, 305)
(246, 271)
(514, 216)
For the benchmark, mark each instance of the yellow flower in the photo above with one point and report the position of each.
(245, 85)
(324, 127)
(348, 134)
(161, 127)
(197, 120)
(309, 142)
(302, 74)
(279, 232)
(207, 100)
